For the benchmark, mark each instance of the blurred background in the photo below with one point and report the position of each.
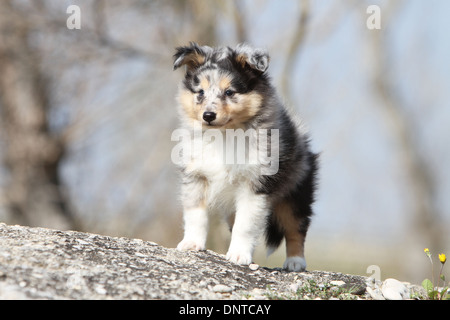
(87, 115)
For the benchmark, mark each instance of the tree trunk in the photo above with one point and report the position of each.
(31, 154)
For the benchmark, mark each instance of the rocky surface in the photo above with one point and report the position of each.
(38, 263)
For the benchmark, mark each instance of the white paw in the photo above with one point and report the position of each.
(295, 264)
(239, 256)
(186, 244)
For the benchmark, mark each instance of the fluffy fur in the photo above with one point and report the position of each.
(229, 88)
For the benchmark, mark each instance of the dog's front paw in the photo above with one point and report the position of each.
(239, 256)
(296, 264)
(187, 244)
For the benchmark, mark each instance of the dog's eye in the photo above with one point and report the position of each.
(201, 92)
(229, 93)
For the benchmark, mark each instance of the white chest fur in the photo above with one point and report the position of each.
(226, 174)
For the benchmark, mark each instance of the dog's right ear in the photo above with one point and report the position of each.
(193, 56)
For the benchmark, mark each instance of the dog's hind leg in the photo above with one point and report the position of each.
(294, 230)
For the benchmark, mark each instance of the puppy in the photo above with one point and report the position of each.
(265, 183)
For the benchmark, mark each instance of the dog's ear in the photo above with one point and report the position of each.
(192, 56)
(257, 59)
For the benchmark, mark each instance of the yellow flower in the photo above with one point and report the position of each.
(442, 258)
(426, 250)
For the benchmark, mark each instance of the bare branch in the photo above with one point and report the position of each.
(421, 182)
(295, 47)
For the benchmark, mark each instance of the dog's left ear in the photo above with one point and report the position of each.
(257, 59)
(193, 56)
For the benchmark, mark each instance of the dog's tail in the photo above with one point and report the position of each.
(274, 235)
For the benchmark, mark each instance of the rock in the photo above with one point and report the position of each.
(222, 288)
(294, 286)
(253, 266)
(337, 283)
(393, 289)
(375, 294)
(39, 263)
(11, 292)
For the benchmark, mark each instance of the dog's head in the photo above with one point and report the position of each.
(223, 87)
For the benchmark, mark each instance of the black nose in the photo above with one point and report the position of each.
(209, 116)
